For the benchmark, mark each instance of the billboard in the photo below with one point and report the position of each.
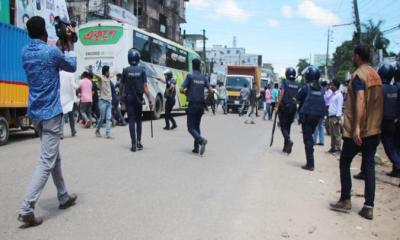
(48, 9)
(122, 15)
(5, 11)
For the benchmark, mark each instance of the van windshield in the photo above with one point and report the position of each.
(237, 82)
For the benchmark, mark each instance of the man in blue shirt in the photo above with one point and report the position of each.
(42, 64)
(194, 86)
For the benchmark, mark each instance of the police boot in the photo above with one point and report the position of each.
(285, 147)
(394, 173)
(289, 147)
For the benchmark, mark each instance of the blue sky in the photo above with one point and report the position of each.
(284, 31)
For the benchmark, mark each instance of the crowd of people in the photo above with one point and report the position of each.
(369, 113)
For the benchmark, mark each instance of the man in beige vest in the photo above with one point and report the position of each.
(362, 121)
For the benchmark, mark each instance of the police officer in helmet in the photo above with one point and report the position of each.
(397, 83)
(390, 102)
(134, 82)
(311, 97)
(194, 86)
(287, 106)
(169, 94)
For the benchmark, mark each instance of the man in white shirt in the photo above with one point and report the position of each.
(335, 114)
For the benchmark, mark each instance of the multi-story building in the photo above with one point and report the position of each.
(162, 17)
(222, 55)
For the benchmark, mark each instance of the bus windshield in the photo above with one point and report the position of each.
(237, 82)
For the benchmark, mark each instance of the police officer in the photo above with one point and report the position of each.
(390, 102)
(311, 97)
(397, 124)
(169, 94)
(193, 87)
(287, 106)
(397, 83)
(134, 82)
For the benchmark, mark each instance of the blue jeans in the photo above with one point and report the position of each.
(349, 150)
(319, 132)
(195, 112)
(266, 110)
(49, 163)
(105, 112)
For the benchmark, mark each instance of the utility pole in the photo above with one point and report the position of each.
(204, 45)
(327, 53)
(357, 22)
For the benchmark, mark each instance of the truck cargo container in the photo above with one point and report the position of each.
(13, 82)
(235, 80)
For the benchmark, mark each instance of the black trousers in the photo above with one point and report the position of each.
(388, 141)
(349, 150)
(169, 104)
(286, 117)
(309, 123)
(134, 109)
(195, 113)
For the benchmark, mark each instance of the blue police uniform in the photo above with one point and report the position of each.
(390, 102)
(195, 83)
(169, 103)
(133, 80)
(288, 108)
(313, 109)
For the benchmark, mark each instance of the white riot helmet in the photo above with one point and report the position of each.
(168, 73)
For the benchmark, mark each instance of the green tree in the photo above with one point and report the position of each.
(373, 36)
(303, 64)
(342, 60)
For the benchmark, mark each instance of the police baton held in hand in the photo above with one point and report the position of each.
(273, 129)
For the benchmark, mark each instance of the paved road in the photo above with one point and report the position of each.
(239, 190)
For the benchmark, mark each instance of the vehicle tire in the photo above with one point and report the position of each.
(4, 131)
(158, 106)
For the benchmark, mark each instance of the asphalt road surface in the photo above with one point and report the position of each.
(241, 189)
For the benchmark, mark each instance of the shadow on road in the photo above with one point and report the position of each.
(18, 136)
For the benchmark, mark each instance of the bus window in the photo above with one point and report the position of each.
(158, 52)
(176, 58)
(142, 43)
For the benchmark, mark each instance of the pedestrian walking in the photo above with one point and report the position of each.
(42, 64)
(311, 97)
(267, 102)
(86, 98)
(287, 107)
(170, 95)
(328, 98)
(319, 133)
(116, 110)
(193, 87)
(244, 98)
(335, 114)
(362, 126)
(134, 83)
(67, 97)
(253, 102)
(105, 99)
(222, 97)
